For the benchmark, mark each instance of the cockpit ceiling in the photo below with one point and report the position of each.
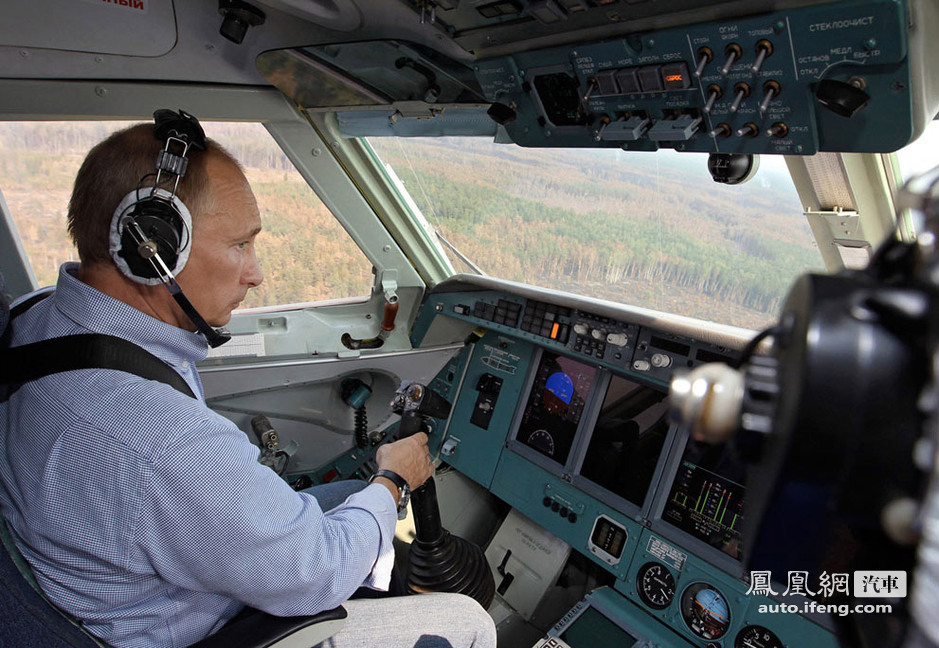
(145, 28)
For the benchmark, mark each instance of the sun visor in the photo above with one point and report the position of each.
(417, 120)
(368, 73)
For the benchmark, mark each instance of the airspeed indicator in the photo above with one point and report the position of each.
(656, 585)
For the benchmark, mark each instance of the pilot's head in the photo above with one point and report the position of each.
(219, 265)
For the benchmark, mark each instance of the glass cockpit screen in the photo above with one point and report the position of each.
(555, 405)
(592, 629)
(627, 439)
(707, 497)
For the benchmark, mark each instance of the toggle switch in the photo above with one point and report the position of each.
(721, 130)
(705, 56)
(779, 129)
(741, 92)
(714, 93)
(604, 122)
(732, 52)
(592, 84)
(770, 91)
(764, 49)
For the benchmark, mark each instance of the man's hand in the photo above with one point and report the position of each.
(409, 457)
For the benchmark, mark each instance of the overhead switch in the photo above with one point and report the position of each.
(606, 83)
(675, 76)
(650, 78)
(628, 81)
(841, 98)
(679, 129)
(625, 130)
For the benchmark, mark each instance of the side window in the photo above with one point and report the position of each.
(306, 254)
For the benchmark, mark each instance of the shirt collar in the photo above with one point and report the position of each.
(100, 313)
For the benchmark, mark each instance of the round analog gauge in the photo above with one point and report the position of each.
(542, 441)
(755, 636)
(656, 585)
(705, 611)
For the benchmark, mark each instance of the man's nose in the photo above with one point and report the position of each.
(253, 275)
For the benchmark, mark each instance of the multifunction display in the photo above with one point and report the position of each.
(555, 405)
(627, 439)
(706, 499)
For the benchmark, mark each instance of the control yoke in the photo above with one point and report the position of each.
(839, 421)
(416, 404)
(437, 560)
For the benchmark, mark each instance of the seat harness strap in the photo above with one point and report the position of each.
(86, 351)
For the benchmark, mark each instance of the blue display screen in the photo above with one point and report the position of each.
(555, 405)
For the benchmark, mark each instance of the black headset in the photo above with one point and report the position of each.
(151, 230)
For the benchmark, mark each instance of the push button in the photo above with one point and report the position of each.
(628, 81)
(650, 78)
(675, 76)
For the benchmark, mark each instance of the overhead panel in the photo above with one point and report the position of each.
(829, 77)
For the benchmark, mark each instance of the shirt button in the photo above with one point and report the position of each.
(184, 364)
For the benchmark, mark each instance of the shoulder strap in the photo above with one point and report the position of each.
(26, 304)
(92, 351)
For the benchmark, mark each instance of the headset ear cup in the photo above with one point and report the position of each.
(160, 224)
(164, 220)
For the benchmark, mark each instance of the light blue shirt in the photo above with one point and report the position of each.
(145, 514)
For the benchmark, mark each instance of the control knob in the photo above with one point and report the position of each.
(661, 360)
(617, 339)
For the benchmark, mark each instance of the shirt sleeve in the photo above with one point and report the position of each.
(213, 519)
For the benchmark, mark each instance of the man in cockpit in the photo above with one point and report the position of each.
(146, 515)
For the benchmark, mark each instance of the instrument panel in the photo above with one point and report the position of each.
(829, 77)
(560, 410)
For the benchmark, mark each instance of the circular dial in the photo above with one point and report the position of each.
(656, 585)
(542, 441)
(705, 611)
(755, 636)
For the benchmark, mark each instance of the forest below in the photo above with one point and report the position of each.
(648, 229)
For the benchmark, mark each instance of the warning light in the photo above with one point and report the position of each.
(675, 76)
(554, 331)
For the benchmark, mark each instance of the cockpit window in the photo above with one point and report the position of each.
(920, 155)
(39, 160)
(647, 229)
